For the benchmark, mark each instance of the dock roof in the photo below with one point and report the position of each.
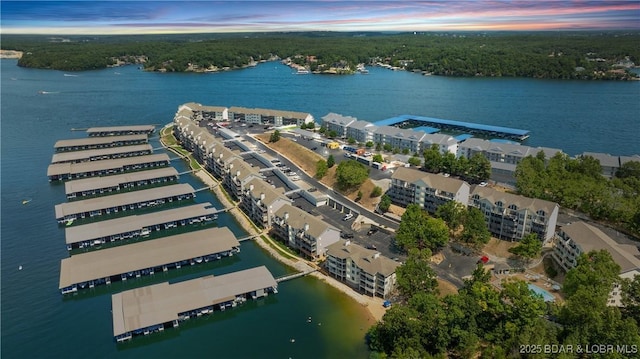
(156, 304)
(148, 254)
(98, 140)
(470, 125)
(121, 199)
(110, 227)
(93, 183)
(87, 154)
(134, 128)
(83, 167)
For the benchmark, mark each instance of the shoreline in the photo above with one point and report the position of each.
(374, 306)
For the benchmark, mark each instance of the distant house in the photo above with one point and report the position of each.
(363, 269)
(578, 238)
(428, 190)
(303, 232)
(511, 217)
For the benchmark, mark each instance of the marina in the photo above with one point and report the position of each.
(89, 208)
(150, 309)
(433, 124)
(97, 186)
(68, 171)
(120, 130)
(81, 144)
(90, 269)
(102, 154)
(134, 226)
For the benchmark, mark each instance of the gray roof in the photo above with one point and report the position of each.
(298, 218)
(507, 199)
(136, 222)
(161, 303)
(245, 169)
(438, 138)
(591, 238)
(268, 112)
(193, 106)
(87, 154)
(604, 158)
(136, 128)
(361, 125)
(147, 254)
(83, 167)
(338, 119)
(121, 199)
(98, 140)
(368, 260)
(508, 149)
(270, 194)
(93, 183)
(625, 159)
(400, 133)
(436, 181)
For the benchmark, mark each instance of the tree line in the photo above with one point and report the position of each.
(572, 55)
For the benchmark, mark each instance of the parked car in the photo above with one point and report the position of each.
(346, 235)
(372, 246)
(314, 148)
(483, 184)
(373, 230)
(348, 217)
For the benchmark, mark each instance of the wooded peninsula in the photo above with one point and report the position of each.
(564, 55)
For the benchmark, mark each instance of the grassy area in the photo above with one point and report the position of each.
(286, 252)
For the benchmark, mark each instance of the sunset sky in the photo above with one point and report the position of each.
(137, 17)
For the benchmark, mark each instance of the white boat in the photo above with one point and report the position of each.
(302, 71)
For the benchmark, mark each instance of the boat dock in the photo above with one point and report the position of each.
(67, 171)
(120, 263)
(89, 208)
(92, 143)
(120, 130)
(137, 225)
(153, 308)
(97, 186)
(102, 154)
(295, 275)
(411, 121)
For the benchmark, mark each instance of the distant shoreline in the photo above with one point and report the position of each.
(10, 54)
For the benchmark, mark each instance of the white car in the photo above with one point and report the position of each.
(483, 184)
(348, 217)
(291, 174)
(295, 178)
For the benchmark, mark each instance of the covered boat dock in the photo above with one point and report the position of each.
(92, 143)
(121, 130)
(102, 154)
(145, 258)
(150, 309)
(97, 186)
(93, 207)
(138, 225)
(67, 171)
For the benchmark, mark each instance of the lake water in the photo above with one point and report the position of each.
(36, 322)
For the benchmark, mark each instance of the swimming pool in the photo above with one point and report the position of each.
(548, 297)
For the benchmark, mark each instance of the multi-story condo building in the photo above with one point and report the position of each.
(363, 269)
(260, 201)
(399, 138)
(238, 174)
(445, 143)
(197, 112)
(503, 156)
(361, 131)
(301, 231)
(509, 216)
(428, 190)
(578, 238)
(611, 164)
(262, 116)
(338, 123)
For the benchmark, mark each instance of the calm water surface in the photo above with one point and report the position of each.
(36, 321)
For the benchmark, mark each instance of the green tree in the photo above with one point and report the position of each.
(369, 144)
(475, 228)
(331, 161)
(351, 140)
(321, 169)
(418, 230)
(631, 298)
(376, 192)
(378, 146)
(350, 174)
(479, 168)
(378, 158)
(275, 136)
(596, 271)
(415, 161)
(528, 248)
(452, 213)
(385, 203)
(405, 151)
(432, 159)
(359, 196)
(448, 162)
(323, 129)
(629, 169)
(387, 147)
(332, 134)
(415, 274)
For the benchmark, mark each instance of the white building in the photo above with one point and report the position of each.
(338, 123)
(399, 138)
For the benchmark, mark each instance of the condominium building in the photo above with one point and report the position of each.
(260, 201)
(338, 123)
(261, 116)
(363, 269)
(238, 174)
(578, 238)
(509, 216)
(611, 164)
(445, 143)
(399, 138)
(429, 190)
(303, 232)
(361, 131)
(198, 112)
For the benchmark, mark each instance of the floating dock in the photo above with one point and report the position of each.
(90, 269)
(134, 226)
(102, 154)
(120, 130)
(94, 207)
(67, 171)
(92, 143)
(97, 186)
(153, 308)
(411, 121)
